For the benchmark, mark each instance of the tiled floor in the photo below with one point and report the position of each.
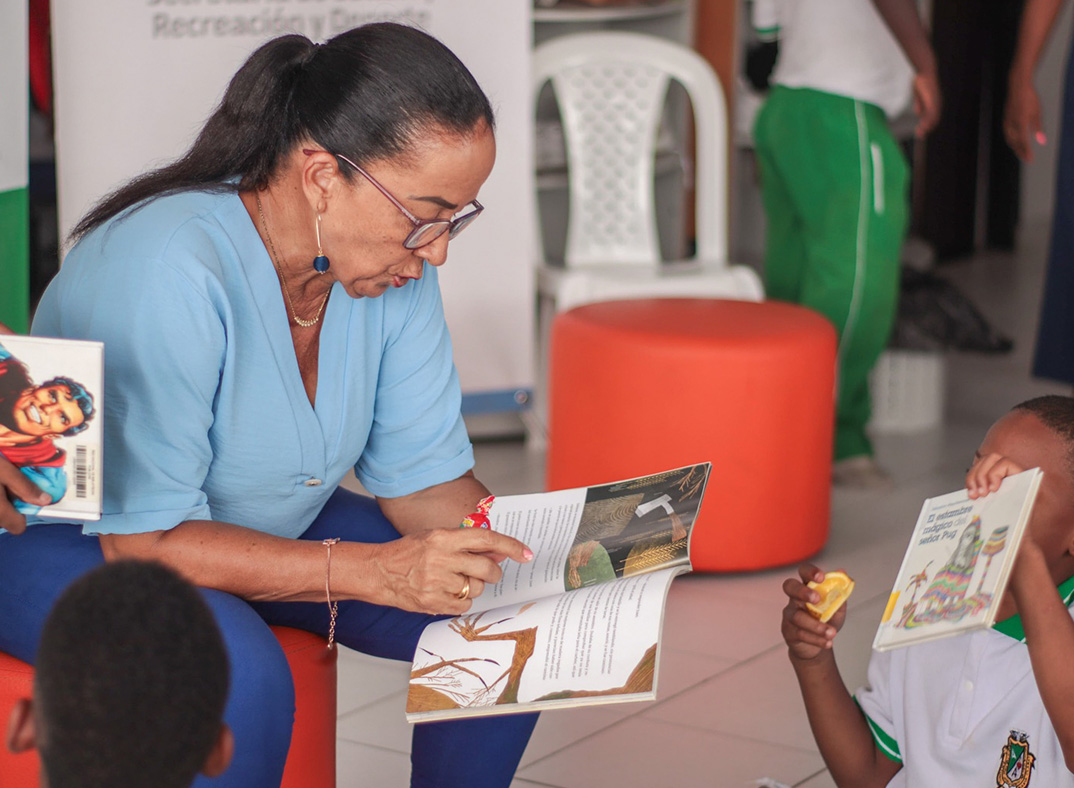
(728, 712)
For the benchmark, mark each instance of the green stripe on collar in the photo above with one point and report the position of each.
(1012, 627)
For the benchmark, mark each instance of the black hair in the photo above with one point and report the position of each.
(131, 680)
(1055, 412)
(366, 94)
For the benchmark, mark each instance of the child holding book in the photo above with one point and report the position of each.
(988, 707)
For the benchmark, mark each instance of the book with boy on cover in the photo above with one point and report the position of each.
(958, 562)
(50, 427)
(580, 623)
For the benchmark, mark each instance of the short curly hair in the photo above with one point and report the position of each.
(1055, 412)
(131, 680)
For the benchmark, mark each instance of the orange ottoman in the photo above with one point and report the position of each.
(311, 760)
(642, 386)
(16, 681)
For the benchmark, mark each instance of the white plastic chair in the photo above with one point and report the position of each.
(611, 89)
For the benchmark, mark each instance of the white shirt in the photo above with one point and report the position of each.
(836, 46)
(947, 709)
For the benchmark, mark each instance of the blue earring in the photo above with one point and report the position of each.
(320, 262)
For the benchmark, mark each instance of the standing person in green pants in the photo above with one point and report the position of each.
(834, 181)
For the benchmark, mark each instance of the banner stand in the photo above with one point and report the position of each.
(14, 168)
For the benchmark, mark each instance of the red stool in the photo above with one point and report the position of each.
(311, 761)
(642, 386)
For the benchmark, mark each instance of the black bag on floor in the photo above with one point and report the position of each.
(935, 315)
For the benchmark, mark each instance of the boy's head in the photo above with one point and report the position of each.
(1040, 433)
(130, 683)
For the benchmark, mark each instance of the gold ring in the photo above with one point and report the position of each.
(465, 590)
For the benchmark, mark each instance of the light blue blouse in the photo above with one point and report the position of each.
(205, 413)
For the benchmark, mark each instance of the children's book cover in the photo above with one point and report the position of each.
(50, 425)
(958, 562)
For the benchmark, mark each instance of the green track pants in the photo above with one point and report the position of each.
(834, 185)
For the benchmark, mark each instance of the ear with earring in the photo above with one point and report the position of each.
(320, 262)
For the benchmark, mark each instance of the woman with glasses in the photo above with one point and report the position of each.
(272, 320)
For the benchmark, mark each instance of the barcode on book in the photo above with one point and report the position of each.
(81, 472)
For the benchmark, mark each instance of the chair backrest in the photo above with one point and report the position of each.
(611, 89)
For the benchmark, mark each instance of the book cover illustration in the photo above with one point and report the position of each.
(50, 400)
(957, 565)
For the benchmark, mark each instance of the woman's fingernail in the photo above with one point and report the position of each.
(527, 554)
(1041, 138)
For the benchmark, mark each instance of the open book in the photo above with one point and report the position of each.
(580, 623)
(50, 425)
(957, 565)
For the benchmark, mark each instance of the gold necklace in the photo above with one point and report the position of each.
(276, 262)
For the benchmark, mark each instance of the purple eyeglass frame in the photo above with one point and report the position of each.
(450, 226)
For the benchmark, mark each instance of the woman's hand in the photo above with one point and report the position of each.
(806, 637)
(13, 484)
(988, 472)
(426, 571)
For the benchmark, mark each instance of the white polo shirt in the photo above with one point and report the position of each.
(836, 46)
(962, 711)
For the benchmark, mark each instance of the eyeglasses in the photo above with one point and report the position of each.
(425, 230)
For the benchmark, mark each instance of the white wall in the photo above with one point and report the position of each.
(14, 97)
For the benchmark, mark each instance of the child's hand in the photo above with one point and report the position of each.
(986, 473)
(807, 638)
(1029, 565)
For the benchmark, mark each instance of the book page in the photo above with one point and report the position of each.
(595, 645)
(592, 535)
(957, 564)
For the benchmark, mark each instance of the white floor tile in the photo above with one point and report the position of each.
(756, 699)
(381, 724)
(822, 780)
(364, 680)
(559, 730)
(682, 670)
(362, 766)
(700, 620)
(641, 753)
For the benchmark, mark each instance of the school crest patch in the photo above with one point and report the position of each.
(1016, 763)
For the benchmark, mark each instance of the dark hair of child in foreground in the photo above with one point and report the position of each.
(130, 684)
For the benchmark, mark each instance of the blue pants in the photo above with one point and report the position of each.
(1054, 356)
(37, 566)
